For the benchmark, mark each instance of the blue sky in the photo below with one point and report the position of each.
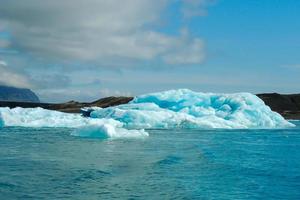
(85, 50)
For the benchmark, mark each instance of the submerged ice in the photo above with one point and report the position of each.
(170, 109)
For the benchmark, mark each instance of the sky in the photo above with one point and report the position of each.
(87, 49)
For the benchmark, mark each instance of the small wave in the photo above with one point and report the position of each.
(169, 160)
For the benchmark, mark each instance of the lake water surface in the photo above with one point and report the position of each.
(49, 163)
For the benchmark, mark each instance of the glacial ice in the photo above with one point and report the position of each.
(171, 109)
(85, 127)
(184, 108)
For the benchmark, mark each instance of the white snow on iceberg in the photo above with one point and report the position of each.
(168, 110)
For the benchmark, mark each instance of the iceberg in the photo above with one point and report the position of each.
(184, 108)
(171, 109)
(84, 127)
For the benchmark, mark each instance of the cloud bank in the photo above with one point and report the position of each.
(12, 78)
(100, 30)
(53, 46)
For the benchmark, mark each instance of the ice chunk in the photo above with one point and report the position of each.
(108, 131)
(85, 127)
(1, 121)
(86, 111)
(39, 117)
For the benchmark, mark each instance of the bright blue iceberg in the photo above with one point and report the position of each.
(184, 108)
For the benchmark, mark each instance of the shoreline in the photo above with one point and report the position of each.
(71, 106)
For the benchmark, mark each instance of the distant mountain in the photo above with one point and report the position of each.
(17, 94)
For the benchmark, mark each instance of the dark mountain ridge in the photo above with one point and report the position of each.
(17, 94)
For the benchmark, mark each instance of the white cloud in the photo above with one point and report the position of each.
(186, 50)
(192, 8)
(98, 30)
(11, 78)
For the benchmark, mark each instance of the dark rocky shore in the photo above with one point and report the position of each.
(287, 105)
(71, 106)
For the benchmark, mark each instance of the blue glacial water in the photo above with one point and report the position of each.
(49, 163)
